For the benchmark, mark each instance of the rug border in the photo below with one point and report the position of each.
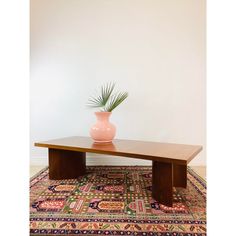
(38, 173)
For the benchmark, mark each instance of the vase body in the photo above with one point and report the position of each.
(103, 131)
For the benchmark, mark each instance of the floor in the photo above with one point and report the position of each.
(35, 169)
(201, 170)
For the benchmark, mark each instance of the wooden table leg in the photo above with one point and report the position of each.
(180, 175)
(162, 182)
(64, 164)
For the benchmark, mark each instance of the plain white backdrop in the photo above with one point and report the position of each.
(14, 125)
(153, 49)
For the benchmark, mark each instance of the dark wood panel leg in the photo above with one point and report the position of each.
(64, 164)
(162, 182)
(180, 175)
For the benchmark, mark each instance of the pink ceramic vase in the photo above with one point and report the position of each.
(103, 131)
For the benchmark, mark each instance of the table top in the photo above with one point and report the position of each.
(164, 152)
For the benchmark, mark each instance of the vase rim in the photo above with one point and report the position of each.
(99, 112)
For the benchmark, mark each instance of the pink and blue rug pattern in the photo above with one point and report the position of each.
(114, 200)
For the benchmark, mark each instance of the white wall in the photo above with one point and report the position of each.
(154, 49)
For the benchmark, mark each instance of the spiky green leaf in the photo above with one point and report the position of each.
(116, 100)
(101, 100)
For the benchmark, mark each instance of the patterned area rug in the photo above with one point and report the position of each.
(113, 200)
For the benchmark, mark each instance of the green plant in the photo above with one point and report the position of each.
(107, 100)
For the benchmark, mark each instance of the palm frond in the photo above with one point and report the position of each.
(106, 100)
(107, 90)
(101, 100)
(116, 100)
(95, 102)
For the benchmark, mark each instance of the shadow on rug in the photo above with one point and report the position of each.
(113, 200)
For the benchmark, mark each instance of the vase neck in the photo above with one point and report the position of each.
(103, 116)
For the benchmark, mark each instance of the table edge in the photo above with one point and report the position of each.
(123, 154)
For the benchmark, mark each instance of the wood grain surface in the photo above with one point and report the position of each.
(155, 151)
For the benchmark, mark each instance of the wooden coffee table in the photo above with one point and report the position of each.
(67, 160)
